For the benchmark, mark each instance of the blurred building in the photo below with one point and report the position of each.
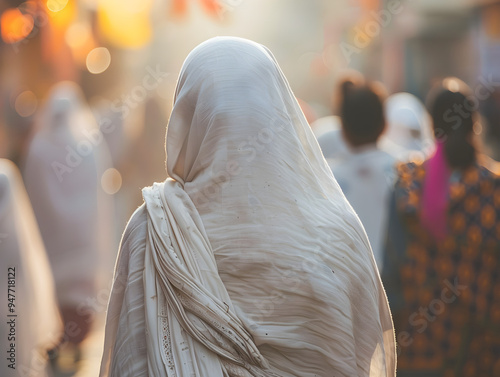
(434, 39)
(407, 44)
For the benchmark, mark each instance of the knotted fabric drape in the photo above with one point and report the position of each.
(248, 260)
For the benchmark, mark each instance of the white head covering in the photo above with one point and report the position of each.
(239, 143)
(62, 174)
(294, 273)
(408, 126)
(23, 260)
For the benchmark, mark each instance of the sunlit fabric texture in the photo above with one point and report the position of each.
(248, 260)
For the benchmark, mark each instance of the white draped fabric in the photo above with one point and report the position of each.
(28, 295)
(63, 170)
(409, 131)
(248, 260)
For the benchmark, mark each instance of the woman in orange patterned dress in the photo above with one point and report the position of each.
(442, 257)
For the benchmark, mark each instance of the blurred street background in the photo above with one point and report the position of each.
(126, 56)
(122, 58)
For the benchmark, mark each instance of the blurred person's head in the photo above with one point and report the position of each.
(347, 79)
(64, 99)
(453, 121)
(408, 125)
(362, 113)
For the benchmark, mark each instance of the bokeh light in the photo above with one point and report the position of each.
(26, 103)
(478, 128)
(56, 5)
(15, 26)
(111, 181)
(61, 13)
(98, 60)
(77, 35)
(452, 85)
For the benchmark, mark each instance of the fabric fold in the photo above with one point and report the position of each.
(187, 295)
(248, 261)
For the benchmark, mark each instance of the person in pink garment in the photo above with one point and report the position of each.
(442, 249)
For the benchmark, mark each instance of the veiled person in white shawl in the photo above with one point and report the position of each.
(63, 170)
(409, 129)
(30, 320)
(247, 260)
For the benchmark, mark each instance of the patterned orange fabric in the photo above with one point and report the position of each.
(449, 322)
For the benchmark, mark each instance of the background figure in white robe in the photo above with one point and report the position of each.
(331, 140)
(366, 174)
(63, 170)
(409, 134)
(30, 318)
(248, 260)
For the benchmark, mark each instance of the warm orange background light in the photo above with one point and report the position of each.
(55, 50)
(211, 6)
(61, 13)
(15, 26)
(125, 23)
(369, 5)
(179, 8)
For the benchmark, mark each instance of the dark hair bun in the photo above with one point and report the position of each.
(453, 123)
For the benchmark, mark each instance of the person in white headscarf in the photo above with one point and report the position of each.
(31, 324)
(409, 133)
(63, 170)
(247, 260)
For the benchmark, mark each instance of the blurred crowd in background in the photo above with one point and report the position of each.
(85, 93)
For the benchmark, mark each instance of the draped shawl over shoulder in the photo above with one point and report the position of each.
(248, 260)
